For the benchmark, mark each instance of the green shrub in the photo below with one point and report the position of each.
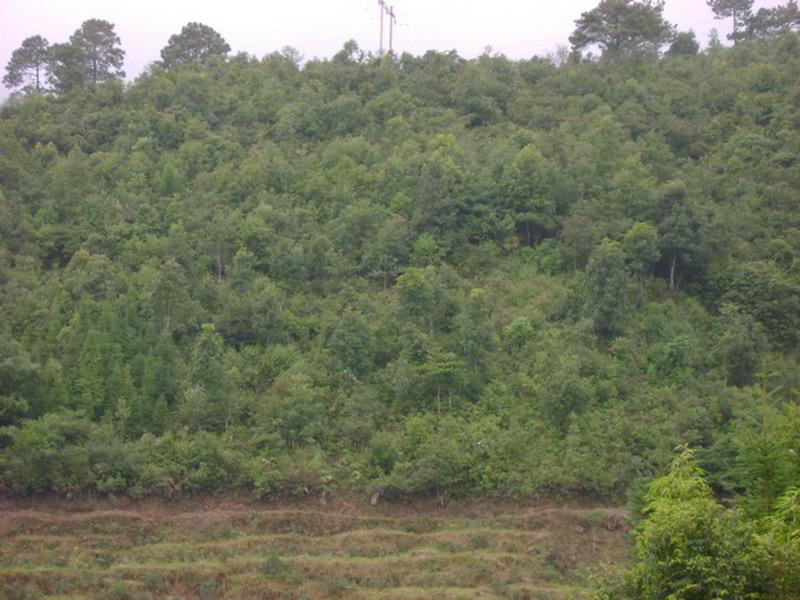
(48, 454)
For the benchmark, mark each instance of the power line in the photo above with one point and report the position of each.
(388, 11)
(381, 9)
(392, 21)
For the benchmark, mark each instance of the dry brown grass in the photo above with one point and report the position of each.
(232, 548)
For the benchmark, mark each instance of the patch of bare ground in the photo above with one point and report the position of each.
(208, 548)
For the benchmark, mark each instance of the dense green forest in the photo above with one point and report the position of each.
(414, 274)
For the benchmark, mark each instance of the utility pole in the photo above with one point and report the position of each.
(382, 9)
(392, 21)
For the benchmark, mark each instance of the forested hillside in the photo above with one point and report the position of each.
(413, 274)
(404, 273)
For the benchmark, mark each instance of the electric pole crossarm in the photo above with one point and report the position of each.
(392, 21)
(382, 9)
(389, 12)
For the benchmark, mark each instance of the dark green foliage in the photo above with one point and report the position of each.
(607, 283)
(92, 56)
(196, 43)
(622, 26)
(65, 68)
(742, 345)
(738, 10)
(28, 65)
(679, 231)
(684, 44)
(762, 291)
(769, 23)
(98, 50)
(21, 383)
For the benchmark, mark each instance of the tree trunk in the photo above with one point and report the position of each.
(672, 272)
(169, 317)
(640, 296)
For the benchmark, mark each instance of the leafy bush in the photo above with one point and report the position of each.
(48, 454)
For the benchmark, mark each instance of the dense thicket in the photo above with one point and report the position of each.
(410, 274)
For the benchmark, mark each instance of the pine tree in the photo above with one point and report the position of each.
(196, 43)
(99, 51)
(28, 65)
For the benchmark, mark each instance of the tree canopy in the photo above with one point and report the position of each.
(623, 27)
(196, 43)
(738, 10)
(418, 275)
(28, 65)
(98, 49)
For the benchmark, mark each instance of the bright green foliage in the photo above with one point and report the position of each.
(763, 470)
(50, 454)
(766, 453)
(351, 343)
(688, 546)
(641, 248)
(205, 366)
(207, 401)
(293, 409)
(425, 251)
(476, 336)
(423, 296)
(781, 539)
(527, 182)
(442, 375)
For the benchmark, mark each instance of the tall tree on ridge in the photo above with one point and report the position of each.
(623, 27)
(28, 64)
(196, 43)
(769, 23)
(738, 9)
(65, 68)
(100, 50)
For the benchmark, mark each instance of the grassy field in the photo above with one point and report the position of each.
(227, 548)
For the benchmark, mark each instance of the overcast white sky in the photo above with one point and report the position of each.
(318, 28)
